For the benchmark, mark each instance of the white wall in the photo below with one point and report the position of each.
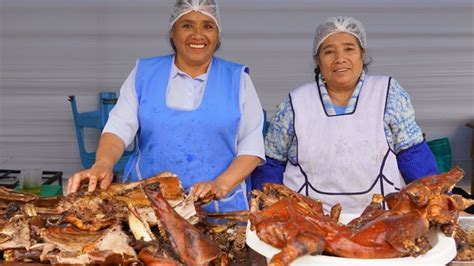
(50, 49)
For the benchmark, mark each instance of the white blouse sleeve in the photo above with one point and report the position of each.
(123, 119)
(250, 137)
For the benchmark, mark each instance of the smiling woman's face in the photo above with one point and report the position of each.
(195, 37)
(341, 61)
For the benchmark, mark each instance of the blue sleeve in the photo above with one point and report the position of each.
(270, 172)
(416, 162)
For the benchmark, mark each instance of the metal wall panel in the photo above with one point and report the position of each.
(50, 49)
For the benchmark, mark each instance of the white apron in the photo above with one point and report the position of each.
(346, 158)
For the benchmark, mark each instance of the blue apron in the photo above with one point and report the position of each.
(196, 145)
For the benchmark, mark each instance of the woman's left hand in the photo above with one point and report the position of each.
(207, 190)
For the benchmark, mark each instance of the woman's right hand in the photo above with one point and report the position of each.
(97, 173)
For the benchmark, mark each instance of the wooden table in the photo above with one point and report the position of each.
(471, 125)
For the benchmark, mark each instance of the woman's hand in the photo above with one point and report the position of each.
(109, 150)
(238, 170)
(208, 190)
(97, 173)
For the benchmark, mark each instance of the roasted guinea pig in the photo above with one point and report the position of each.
(297, 225)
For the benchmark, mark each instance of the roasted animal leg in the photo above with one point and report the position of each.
(191, 245)
(150, 257)
(304, 243)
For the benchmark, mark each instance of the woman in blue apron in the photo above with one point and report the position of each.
(194, 114)
(346, 135)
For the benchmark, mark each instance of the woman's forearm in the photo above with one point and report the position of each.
(237, 171)
(109, 150)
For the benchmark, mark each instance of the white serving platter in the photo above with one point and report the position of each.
(442, 252)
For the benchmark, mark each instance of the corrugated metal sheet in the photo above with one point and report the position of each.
(50, 49)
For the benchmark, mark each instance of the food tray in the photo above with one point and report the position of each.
(442, 252)
(466, 222)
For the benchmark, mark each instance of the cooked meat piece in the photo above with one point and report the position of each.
(190, 244)
(296, 225)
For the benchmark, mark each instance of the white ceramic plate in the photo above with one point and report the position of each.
(442, 252)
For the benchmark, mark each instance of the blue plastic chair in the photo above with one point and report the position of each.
(96, 119)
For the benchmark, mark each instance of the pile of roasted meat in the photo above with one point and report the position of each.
(151, 222)
(154, 222)
(298, 225)
(464, 238)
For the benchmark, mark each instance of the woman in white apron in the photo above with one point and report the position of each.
(194, 114)
(346, 135)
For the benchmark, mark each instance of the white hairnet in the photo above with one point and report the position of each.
(207, 7)
(339, 24)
